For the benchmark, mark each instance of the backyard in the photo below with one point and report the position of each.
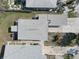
(66, 56)
(6, 20)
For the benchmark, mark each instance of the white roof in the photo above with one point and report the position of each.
(32, 29)
(23, 52)
(41, 3)
(72, 26)
(54, 20)
(13, 28)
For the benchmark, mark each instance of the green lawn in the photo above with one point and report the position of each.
(6, 20)
(68, 56)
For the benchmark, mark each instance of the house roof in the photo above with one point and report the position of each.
(23, 52)
(54, 20)
(29, 29)
(41, 3)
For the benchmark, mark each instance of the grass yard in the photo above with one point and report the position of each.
(68, 56)
(6, 20)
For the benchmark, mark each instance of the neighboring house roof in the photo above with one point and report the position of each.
(23, 52)
(72, 26)
(29, 29)
(54, 20)
(41, 3)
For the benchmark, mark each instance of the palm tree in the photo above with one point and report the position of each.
(69, 3)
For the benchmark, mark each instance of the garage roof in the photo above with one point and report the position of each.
(54, 19)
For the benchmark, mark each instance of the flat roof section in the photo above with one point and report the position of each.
(55, 20)
(32, 29)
